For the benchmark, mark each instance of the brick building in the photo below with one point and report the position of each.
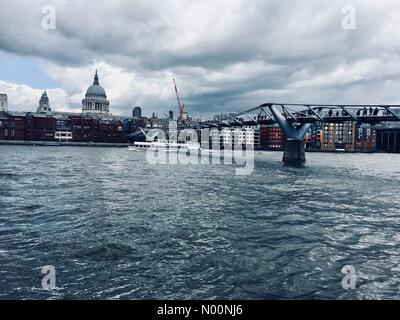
(272, 137)
(338, 136)
(365, 138)
(82, 128)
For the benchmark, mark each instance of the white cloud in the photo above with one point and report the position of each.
(226, 54)
(124, 89)
(26, 98)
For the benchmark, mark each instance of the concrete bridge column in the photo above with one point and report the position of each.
(294, 154)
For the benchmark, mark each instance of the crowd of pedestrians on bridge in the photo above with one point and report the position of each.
(360, 112)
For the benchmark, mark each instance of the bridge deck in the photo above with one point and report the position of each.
(302, 120)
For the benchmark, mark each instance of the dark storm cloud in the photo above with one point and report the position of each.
(226, 54)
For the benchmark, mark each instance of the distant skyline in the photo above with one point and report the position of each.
(227, 55)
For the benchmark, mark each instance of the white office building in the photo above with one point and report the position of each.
(3, 102)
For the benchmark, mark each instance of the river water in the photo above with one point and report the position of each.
(116, 227)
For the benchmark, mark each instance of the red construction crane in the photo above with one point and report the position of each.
(180, 106)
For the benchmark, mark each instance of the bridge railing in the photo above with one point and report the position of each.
(309, 113)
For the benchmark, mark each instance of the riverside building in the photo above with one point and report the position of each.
(95, 101)
(44, 103)
(3, 102)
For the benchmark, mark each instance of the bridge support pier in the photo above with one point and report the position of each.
(294, 154)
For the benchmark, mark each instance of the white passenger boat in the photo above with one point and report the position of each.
(166, 146)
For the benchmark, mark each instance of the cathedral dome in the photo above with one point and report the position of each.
(95, 99)
(96, 90)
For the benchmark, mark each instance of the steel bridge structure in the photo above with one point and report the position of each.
(296, 120)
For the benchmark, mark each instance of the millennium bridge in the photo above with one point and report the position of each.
(296, 120)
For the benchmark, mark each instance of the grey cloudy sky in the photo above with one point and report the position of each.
(227, 55)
